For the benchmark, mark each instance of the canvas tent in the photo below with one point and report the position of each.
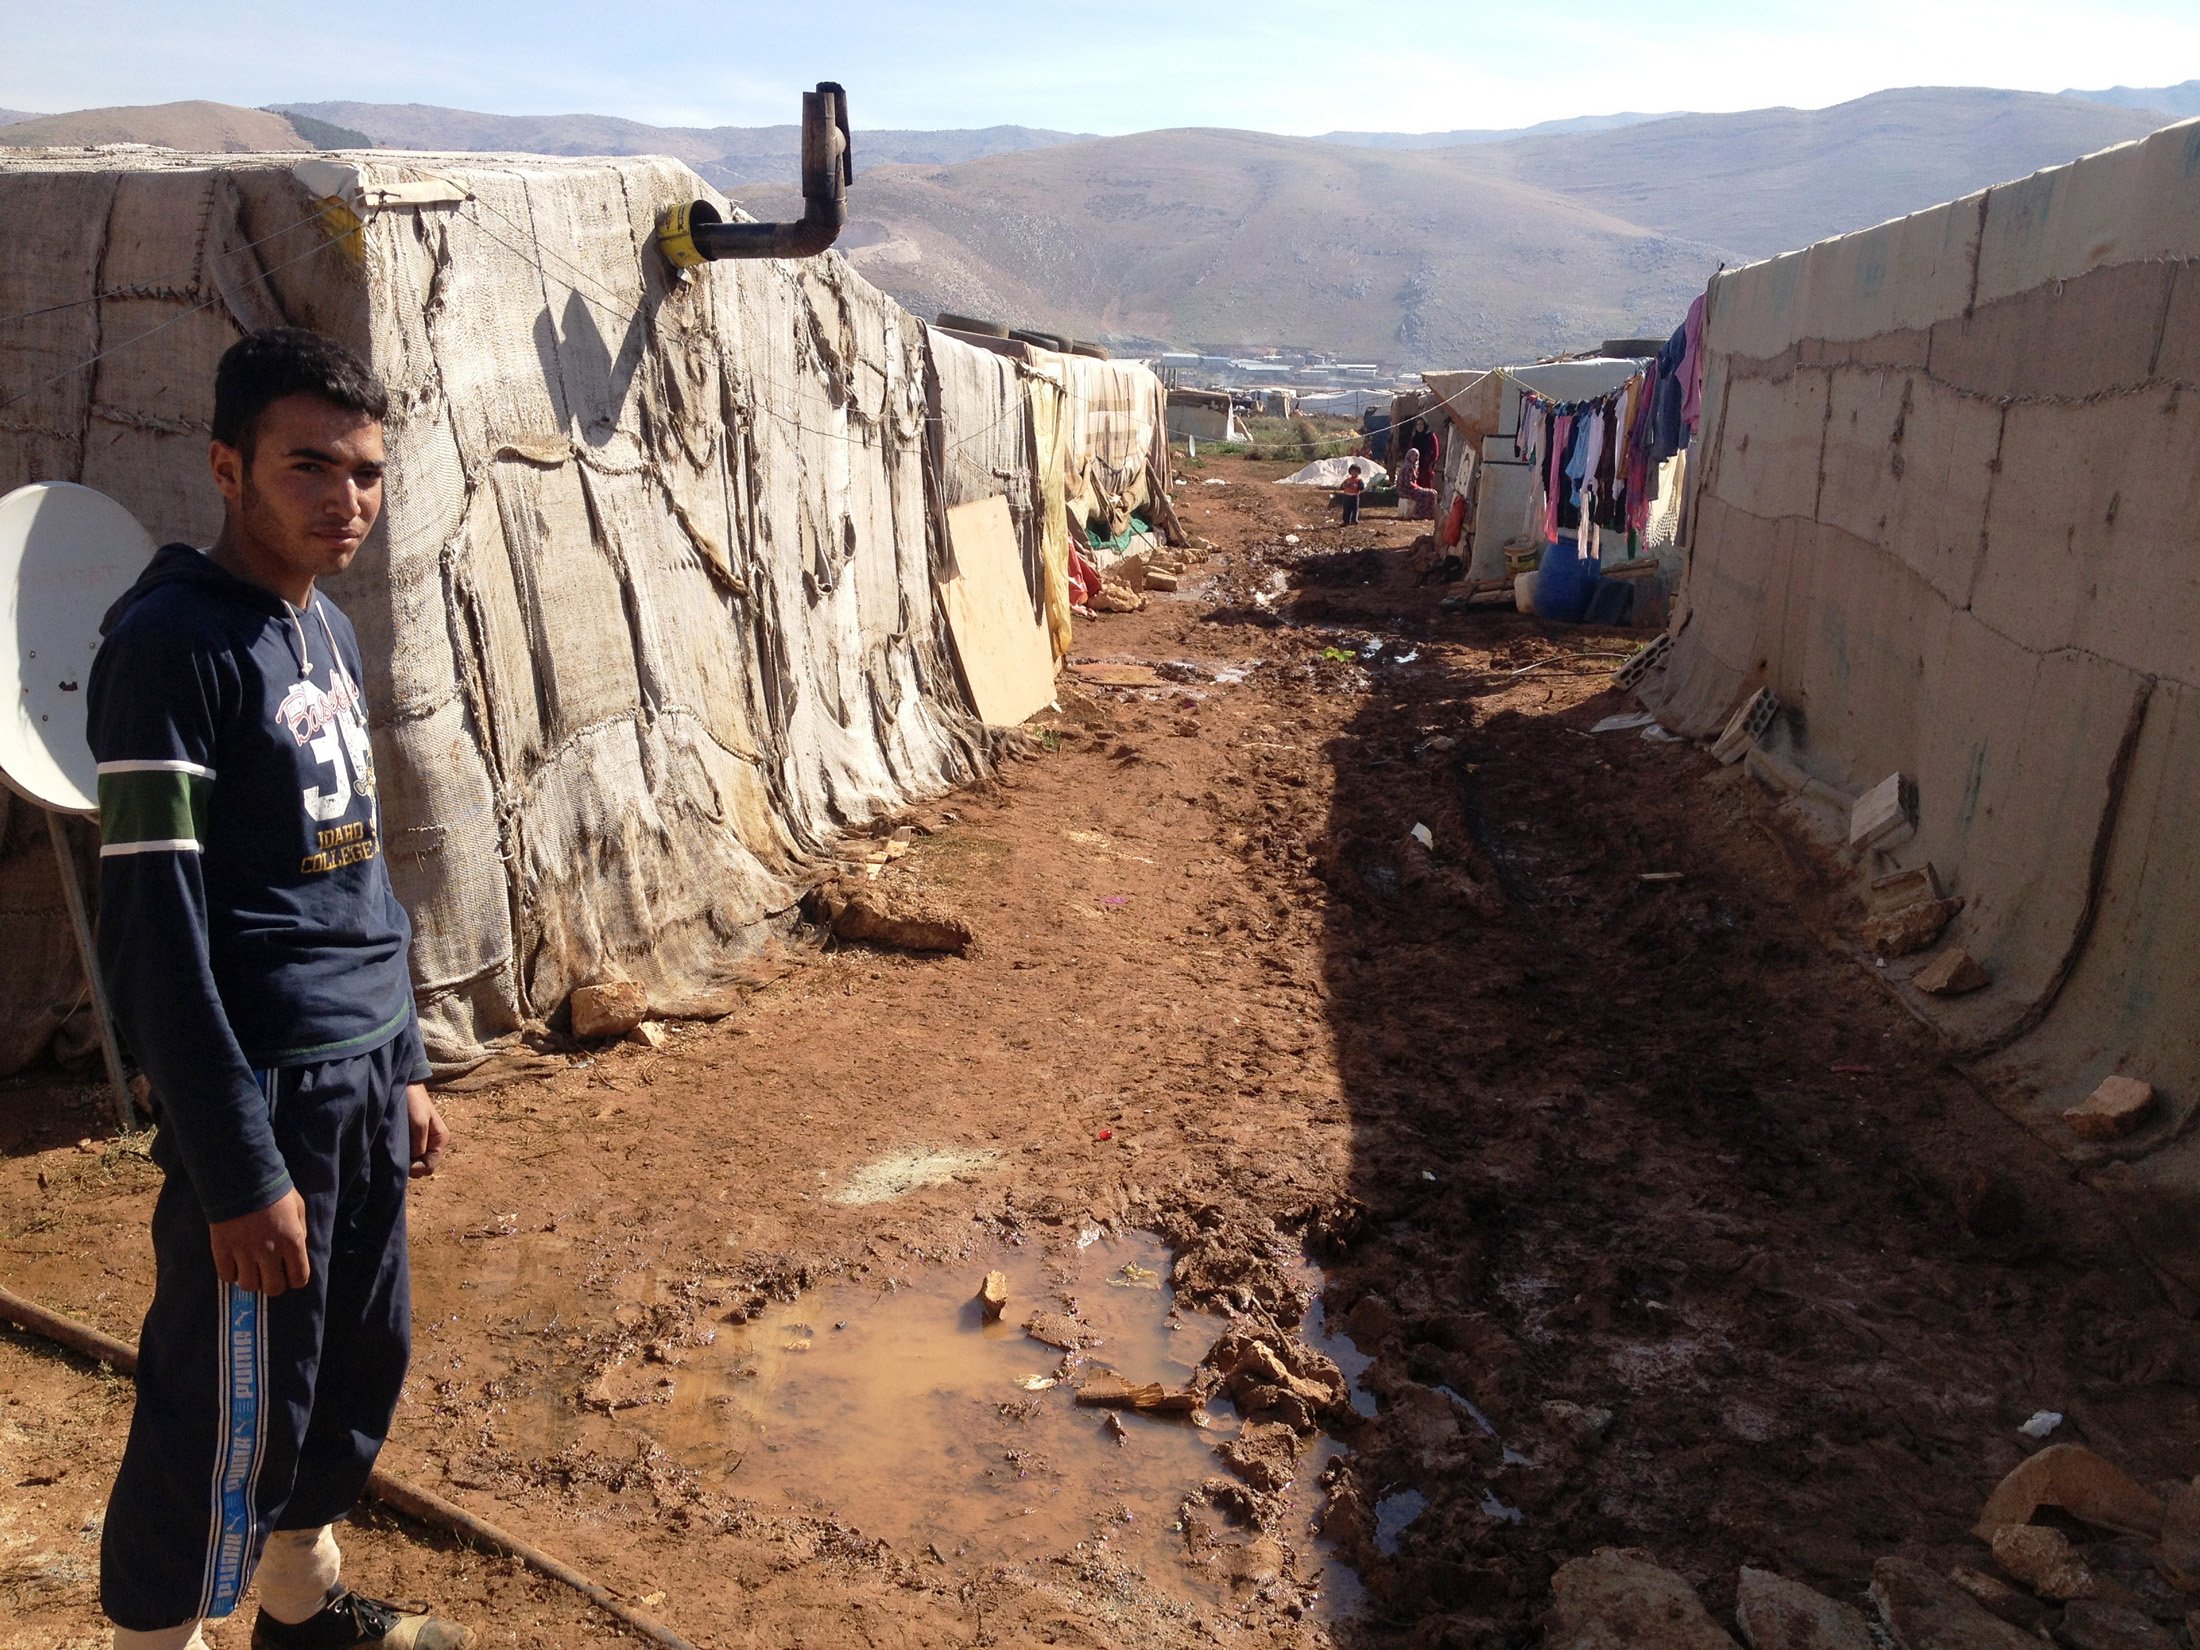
(1118, 446)
(1203, 415)
(1945, 502)
(650, 613)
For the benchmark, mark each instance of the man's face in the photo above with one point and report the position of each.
(311, 488)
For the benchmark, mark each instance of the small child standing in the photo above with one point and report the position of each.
(1348, 495)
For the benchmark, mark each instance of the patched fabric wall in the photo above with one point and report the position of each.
(649, 616)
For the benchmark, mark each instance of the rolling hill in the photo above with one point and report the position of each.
(728, 156)
(1240, 238)
(1487, 134)
(208, 128)
(1445, 248)
(1460, 256)
(1774, 179)
(2183, 100)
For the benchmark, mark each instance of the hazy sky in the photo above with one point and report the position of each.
(1099, 66)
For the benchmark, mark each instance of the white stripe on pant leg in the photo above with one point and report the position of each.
(242, 1351)
(221, 1440)
(259, 1454)
(298, 1572)
(243, 1356)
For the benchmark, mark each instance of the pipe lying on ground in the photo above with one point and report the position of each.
(695, 234)
(386, 1487)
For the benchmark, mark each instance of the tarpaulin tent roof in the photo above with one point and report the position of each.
(1471, 400)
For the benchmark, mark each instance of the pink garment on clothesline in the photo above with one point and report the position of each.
(1554, 478)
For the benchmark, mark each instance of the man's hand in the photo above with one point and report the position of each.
(430, 1134)
(265, 1251)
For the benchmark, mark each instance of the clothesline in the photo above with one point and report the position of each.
(1599, 459)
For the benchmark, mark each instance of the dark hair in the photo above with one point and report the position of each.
(263, 367)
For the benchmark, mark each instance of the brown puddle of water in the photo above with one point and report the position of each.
(901, 1412)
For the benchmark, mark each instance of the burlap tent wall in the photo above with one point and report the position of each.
(650, 615)
(1947, 500)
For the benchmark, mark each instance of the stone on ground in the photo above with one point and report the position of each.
(2178, 1557)
(1617, 1599)
(2111, 1111)
(2044, 1560)
(2012, 1604)
(2094, 1624)
(1912, 928)
(1951, 974)
(1924, 1611)
(611, 1008)
(1775, 1613)
(872, 920)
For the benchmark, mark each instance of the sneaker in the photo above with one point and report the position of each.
(351, 1619)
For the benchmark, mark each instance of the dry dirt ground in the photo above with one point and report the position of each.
(1563, 1131)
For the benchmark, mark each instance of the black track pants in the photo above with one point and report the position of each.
(258, 1414)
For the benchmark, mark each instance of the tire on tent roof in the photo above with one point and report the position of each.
(967, 323)
(1042, 340)
(1085, 346)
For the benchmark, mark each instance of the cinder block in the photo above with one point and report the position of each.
(1747, 726)
(1885, 816)
(1641, 662)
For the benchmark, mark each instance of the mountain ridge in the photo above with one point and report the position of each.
(727, 156)
(1408, 252)
(2182, 100)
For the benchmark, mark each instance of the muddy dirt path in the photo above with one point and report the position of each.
(1652, 1221)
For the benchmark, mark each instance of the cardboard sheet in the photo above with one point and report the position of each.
(1002, 642)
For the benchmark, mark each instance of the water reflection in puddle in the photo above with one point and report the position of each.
(1393, 1513)
(903, 1413)
(899, 1411)
(1337, 1346)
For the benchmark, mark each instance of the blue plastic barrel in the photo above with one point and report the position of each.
(1564, 582)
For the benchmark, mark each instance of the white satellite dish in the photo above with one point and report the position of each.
(66, 554)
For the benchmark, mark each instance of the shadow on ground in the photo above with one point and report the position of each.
(1672, 1230)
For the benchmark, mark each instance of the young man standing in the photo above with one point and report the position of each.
(256, 959)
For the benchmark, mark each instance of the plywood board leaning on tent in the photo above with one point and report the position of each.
(999, 636)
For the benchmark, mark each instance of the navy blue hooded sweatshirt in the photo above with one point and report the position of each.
(245, 917)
